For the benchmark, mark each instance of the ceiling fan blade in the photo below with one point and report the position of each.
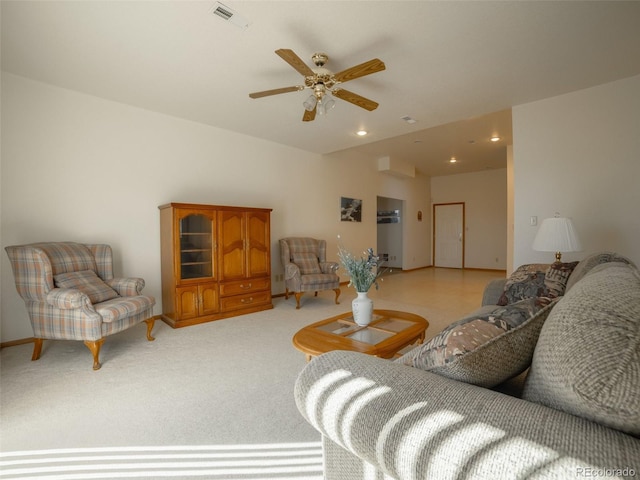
(366, 68)
(355, 99)
(309, 116)
(295, 61)
(275, 91)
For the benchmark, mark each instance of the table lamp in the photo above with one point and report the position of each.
(558, 235)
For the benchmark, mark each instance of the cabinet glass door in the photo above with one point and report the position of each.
(195, 247)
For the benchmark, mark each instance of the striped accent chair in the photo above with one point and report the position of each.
(71, 294)
(306, 268)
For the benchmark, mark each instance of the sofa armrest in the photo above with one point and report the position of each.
(493, 291)
(127, 287)
(408, 423)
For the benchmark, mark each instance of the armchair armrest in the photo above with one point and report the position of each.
(328, 267)
(376, 414)
(68, 298)
(493, 291)
(127, 287)
(291, 270)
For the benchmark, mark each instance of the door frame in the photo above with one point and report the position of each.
(464, 236)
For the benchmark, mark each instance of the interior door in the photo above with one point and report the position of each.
(448, 235)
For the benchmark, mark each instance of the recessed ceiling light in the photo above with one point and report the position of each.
(361, 133)
(408, 119)
(453, 160)
(495, 138)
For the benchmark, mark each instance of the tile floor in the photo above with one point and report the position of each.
(449, 293)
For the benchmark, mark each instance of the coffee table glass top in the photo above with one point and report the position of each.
(380, 329)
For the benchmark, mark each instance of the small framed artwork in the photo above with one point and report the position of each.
(350, 209)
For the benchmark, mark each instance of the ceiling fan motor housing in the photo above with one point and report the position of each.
(319, 59)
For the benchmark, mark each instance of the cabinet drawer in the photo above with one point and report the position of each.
(244, 286)
(248, 300)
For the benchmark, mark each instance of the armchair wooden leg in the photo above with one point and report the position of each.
(337, 290)
(298, 295)
(37, 348)
(286, 294)
(94, 347)
(150, 322)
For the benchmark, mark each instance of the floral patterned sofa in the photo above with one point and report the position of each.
(450, 409)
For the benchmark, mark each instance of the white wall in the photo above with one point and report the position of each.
(579, 154)
(485, 197)
(80, 168)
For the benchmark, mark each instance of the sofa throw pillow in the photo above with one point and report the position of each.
(307, 262)
(88, 283)
(484, 349)
(527, 281)
(587, 357)
(556, 278)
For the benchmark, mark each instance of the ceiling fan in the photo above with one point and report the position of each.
(322, 81)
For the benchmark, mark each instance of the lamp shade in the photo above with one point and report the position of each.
(557, 234)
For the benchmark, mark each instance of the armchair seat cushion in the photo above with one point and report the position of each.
(120, 307)
(88, 283)
(321, 280)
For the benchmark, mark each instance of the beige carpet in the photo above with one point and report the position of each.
(208, 401)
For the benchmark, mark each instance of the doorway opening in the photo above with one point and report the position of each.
(390, 237)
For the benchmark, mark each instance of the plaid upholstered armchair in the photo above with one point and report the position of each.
(71, 294)
(306, 268)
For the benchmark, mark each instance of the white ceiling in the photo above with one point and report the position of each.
(456, 67)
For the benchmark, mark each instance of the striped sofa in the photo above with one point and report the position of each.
(71, 294)
(575, 415)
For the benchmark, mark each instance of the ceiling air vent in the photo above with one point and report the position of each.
(229, 15)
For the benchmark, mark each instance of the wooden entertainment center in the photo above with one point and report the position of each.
(215, 260)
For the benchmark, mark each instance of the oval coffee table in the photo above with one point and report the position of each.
(388, 333)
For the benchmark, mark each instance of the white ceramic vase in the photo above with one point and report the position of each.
(362, 307)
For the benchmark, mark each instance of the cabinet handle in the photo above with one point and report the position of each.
(245, 287)
(246, 300)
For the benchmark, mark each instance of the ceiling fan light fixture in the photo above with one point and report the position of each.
(310, 103)
(328, 104)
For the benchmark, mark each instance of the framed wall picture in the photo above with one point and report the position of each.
(350, 209)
